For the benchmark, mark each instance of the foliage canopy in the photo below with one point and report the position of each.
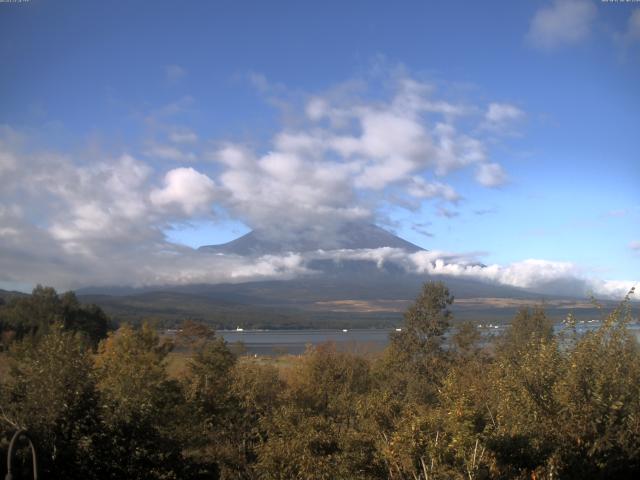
(442, 401)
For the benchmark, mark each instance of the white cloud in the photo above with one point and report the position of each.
(234, 156)
(70, 221)
(187, 189)
(174, 73)
(420, 188)
(554, 278)
(95, 203)
(169, 152)
(632, 32)
(501, 115)
(635, 245)
(9, 139)
(70, 224)
(490, 175)
(633, 26)
(339, 164)
(157, 116)
(7, 162)
(183, 135)
(317, 108)
(627, 38)
(563, 23)
(58, 212)
(104, 232)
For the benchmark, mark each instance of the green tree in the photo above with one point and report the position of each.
(50, 391)
(528, 365)
(416, 362)
(34, 314)
(212, 410)
(598, 429)
(139, 406)
(527, 327)
(446, 437)
(89, 319)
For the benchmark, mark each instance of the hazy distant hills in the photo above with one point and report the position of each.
(351, 293)
(321, 302)
(6, 295)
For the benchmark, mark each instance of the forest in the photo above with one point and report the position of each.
(440, 402)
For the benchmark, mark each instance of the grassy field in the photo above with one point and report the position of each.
(177, 362)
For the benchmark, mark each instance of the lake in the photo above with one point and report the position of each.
(277, 342)
(274, 342)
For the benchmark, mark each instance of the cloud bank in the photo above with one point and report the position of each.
(563, 23)
(72, 221)
(345, 157)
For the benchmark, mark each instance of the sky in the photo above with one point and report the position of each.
(501, 132)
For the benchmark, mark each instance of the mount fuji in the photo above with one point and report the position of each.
(345, 292)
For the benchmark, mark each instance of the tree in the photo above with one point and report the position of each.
(211, 407)
(317, 432)
(50, 391)
(416, 362)
(88, 319)
(529, 362)
(33, 315)
(598, 430)
(466, 342)
(527, 327)
(139, 406)
(256, 391)
(427, 319)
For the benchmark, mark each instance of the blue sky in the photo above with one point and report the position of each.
(170, 85)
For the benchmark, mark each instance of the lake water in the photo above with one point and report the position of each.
(277, 342)
(273, 342)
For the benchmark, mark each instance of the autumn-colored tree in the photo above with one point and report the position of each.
(598, 429)
(207, 434)
(527, 367)
(50, 392)
(533, 404)
(138, 406)
(317, 432)
(254, 396)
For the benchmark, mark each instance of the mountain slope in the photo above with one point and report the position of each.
(350, 236)
(337, 292)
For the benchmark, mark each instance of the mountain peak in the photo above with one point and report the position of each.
(351, 236)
